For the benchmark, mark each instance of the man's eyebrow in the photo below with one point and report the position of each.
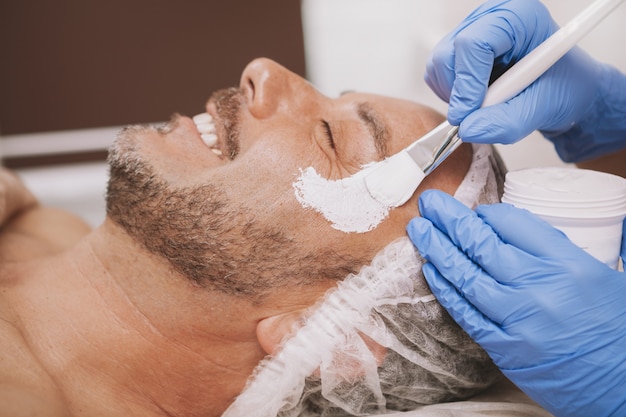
(376, 127)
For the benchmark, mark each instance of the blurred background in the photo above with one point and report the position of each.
(74, 71)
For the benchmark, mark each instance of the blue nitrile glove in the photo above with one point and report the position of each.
(579, 104)
(551, 316)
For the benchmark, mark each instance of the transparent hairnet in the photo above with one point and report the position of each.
(378, 342)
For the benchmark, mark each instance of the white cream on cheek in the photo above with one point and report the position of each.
(346, 203)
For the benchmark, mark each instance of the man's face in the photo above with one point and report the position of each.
(240, 207)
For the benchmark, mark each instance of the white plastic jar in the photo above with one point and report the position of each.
(588, 206)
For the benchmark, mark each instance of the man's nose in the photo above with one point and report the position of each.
(266, 85)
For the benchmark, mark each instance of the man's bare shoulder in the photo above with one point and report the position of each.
(33, 233)
(39, 232)
(25, 388)
(28, 230)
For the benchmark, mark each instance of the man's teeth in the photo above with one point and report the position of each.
(206, 127)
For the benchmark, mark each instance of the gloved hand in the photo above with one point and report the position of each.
(551, 316)
(578, 103)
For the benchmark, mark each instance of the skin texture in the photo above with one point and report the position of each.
(116, 322)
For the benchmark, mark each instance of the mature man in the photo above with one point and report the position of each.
(205, 258)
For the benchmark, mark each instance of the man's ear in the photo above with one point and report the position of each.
(272, 330)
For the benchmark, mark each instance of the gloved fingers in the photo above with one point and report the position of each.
(524, 230)
(440, 68)
(439, 75)
(465, 40)
(476, 48)
(487, 333)
(478, 288)
(541, 105)
(501, 123)
(472, 235)
(472, 320)
(559, 104)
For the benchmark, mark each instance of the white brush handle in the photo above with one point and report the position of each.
(394, 180)
(529, 68)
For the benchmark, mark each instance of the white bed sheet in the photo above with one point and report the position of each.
(476, 409)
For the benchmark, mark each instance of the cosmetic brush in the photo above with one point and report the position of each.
(394, 180)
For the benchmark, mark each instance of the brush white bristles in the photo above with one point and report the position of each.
(393, 181)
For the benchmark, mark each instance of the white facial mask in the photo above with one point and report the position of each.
(346, 203)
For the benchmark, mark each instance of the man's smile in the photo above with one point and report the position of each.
(206, 127)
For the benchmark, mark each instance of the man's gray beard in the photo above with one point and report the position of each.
(208, 238)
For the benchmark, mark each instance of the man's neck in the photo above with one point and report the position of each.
(120, 332)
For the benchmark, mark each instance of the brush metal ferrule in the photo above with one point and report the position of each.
(434, 147)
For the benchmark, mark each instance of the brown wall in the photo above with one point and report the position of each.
(70, 64)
